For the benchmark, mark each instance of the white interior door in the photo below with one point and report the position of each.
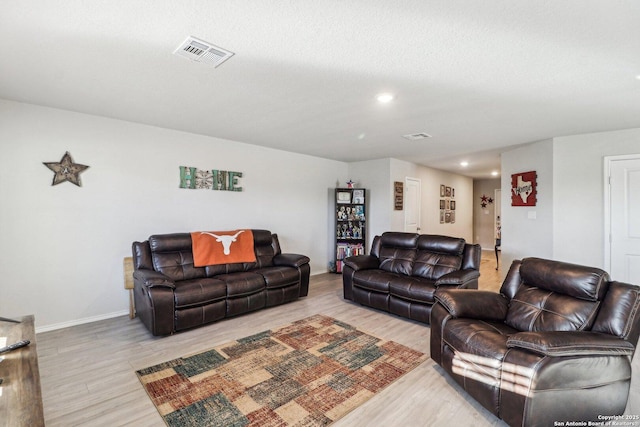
(412, 202)
(624, 218)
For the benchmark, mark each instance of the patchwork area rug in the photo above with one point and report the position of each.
(308, 373)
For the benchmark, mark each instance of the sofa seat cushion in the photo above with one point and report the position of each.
(278, 277)
(195, 292)
(478, 342)
(242, 283)
(375, 280)
(413, 289)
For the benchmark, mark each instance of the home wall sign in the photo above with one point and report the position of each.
(66, 170)
(523, 189)
(214, 179)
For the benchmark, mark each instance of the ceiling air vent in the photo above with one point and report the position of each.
(201, 51)
(416, 136)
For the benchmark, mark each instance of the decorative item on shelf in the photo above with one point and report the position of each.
(358, 196)
(66, 170)
(350, 184)
(524, 189)
(398, 196)
(343, 197)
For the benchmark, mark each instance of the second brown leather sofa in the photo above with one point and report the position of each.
(404, 270)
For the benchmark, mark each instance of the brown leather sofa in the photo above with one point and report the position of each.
(403, 271)
(172, 295)
(555, 345)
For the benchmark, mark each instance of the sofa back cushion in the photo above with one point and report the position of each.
(266, 246)
(620, 312)
(397, 252)
(437, 256)
(171, 255)
(555, 296)
(536, 310)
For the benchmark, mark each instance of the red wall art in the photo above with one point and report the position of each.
(523, 189)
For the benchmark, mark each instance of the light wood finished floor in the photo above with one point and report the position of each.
(88, 371)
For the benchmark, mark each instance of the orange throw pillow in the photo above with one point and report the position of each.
(222, 247)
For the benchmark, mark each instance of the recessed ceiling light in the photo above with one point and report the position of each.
(464, 164)
(494, 173)
(384, 98)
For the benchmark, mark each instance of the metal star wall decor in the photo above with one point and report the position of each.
(66, 170)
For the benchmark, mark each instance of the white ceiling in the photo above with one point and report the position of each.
(478, 76)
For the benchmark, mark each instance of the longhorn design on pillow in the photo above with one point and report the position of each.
(225, 240)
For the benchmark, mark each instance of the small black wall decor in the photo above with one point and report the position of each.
(66, 170)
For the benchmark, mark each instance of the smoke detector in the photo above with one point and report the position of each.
(416, 136)
(201, 51)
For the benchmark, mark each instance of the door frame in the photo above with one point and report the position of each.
(418, 205)
(608, 161)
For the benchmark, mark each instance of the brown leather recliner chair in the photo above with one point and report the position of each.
(554, 345)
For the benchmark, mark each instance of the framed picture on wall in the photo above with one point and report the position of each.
(453, 205)
(442, 191)
(447, 192)
(524, 188)
(441, 203)
(441, 216)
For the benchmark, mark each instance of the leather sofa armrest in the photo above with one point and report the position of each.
(291, 260)
(473, 304)
(152, 278)
(571, 343)
(458, 277)
(362, 262)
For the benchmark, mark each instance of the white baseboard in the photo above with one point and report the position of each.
(76, 322)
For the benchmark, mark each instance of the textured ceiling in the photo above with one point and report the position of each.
(478, 76)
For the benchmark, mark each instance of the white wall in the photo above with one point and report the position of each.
(484, 218)
(399, 171)
(522, 236)
(61, 247)
(374, 176)
(379, 175)
(431, 181)
(579, 192)
(570, 211)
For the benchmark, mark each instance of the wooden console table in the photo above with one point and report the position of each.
(21, 397)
